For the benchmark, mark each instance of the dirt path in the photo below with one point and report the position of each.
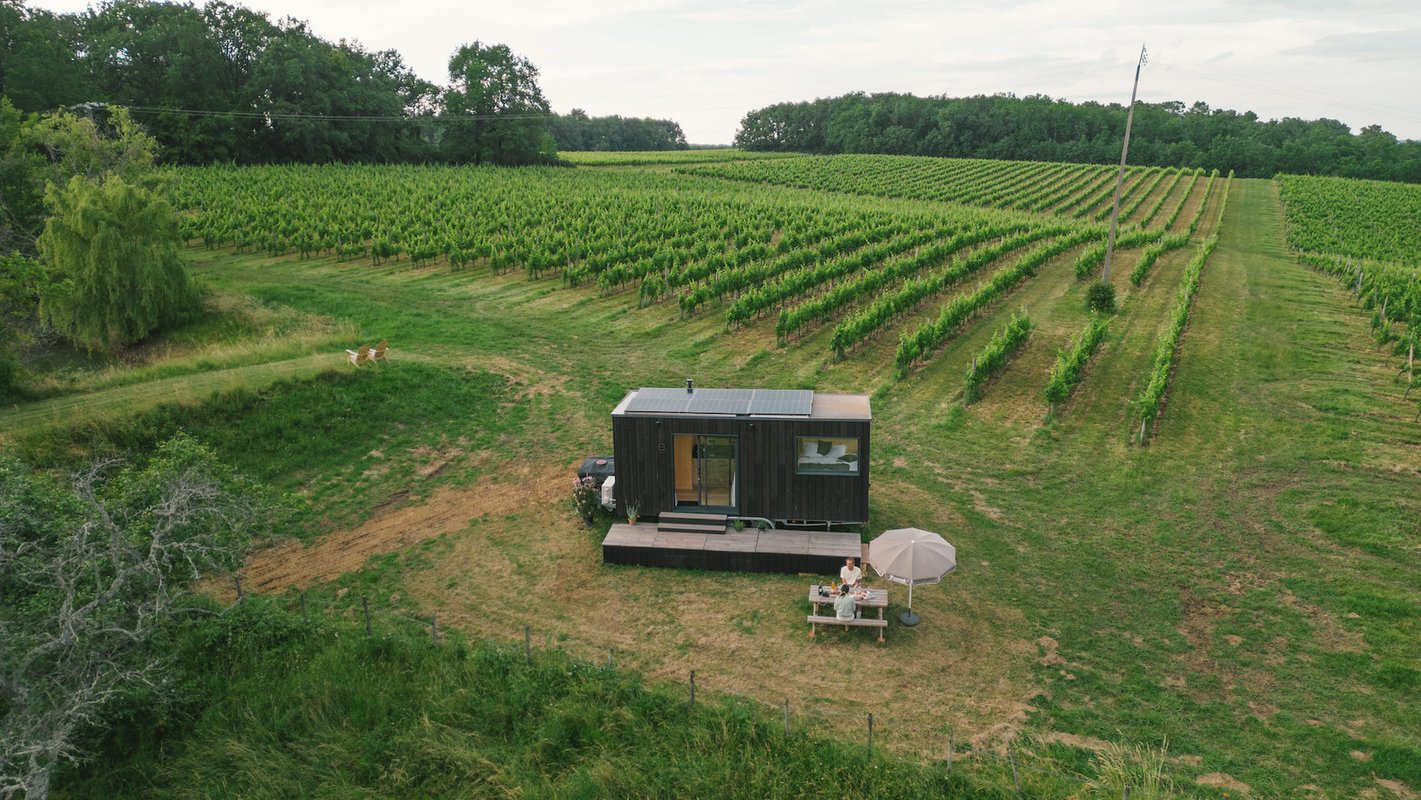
(289, 563)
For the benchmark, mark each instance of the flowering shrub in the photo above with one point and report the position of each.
(585, 496)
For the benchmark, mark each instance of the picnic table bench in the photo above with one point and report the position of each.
(877, 598)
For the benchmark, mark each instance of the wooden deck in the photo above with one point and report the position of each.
(750, 550)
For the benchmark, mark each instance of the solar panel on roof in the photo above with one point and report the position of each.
(782, 402)
(720, 401)
(724, 405)
(660, 401)
(738, 402)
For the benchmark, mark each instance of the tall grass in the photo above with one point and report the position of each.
(272, 706)
(313, 438)
(1140, 767)
(234, 331)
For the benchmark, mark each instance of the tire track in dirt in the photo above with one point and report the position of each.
(290, 563)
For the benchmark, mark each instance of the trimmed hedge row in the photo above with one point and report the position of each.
(1070, 362)
(996, 354)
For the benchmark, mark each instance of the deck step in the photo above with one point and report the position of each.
(687, 527)
(691, 522)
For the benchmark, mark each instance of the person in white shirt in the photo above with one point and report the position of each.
(850, 574)
(844, 605)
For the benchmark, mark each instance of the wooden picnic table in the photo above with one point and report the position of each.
(877, 598)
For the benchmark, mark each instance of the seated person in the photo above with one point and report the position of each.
(844, 605)
(850, 574)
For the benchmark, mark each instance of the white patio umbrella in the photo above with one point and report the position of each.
(912, 557)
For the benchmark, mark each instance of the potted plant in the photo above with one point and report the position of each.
(739, 524)
(584, 498)
(631, 513)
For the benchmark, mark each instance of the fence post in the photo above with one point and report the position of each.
(786, 716)
(1127, 792)
(434, 628)
(305, 617)
(949, 751)
(610, 663)
(693, 688)
(527, 645)
(870, 736)
(365, 603)
(1014, 777)
(238, 578)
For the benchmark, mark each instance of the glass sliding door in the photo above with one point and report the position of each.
(706, 471)
(718, 471)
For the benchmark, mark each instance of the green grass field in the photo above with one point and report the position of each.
(1241, 592)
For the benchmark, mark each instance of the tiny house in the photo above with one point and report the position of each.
(789, 456)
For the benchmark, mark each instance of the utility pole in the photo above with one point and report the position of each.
(1120, 176)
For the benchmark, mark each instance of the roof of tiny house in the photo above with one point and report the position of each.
(751, 403)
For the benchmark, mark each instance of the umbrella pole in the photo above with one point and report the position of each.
(908, 618)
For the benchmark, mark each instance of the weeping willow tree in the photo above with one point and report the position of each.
(111, 247)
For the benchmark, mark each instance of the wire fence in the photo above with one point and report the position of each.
(992, 755)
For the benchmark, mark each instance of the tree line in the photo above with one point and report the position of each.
(224, 83)
(576, 131)
(1039, 128)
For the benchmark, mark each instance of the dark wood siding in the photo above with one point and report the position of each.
(768, 483)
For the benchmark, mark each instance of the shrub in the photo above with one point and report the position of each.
(1100, 298)
(584, 497)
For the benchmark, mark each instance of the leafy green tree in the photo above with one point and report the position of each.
(103, 142)
(305, 81)
(110, 244)
(111, 249)
(21, 214)
(40, 66)
(21, 184)
(19, 283)
(176, 56)
(494, 112)
(89, 573)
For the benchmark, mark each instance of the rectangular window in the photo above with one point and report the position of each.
(826, 456)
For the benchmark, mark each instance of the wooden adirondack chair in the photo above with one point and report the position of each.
(358, 357)
(378, 354)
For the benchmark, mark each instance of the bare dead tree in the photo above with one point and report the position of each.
(78, 606)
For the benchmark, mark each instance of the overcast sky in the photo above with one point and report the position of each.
(705, 64)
